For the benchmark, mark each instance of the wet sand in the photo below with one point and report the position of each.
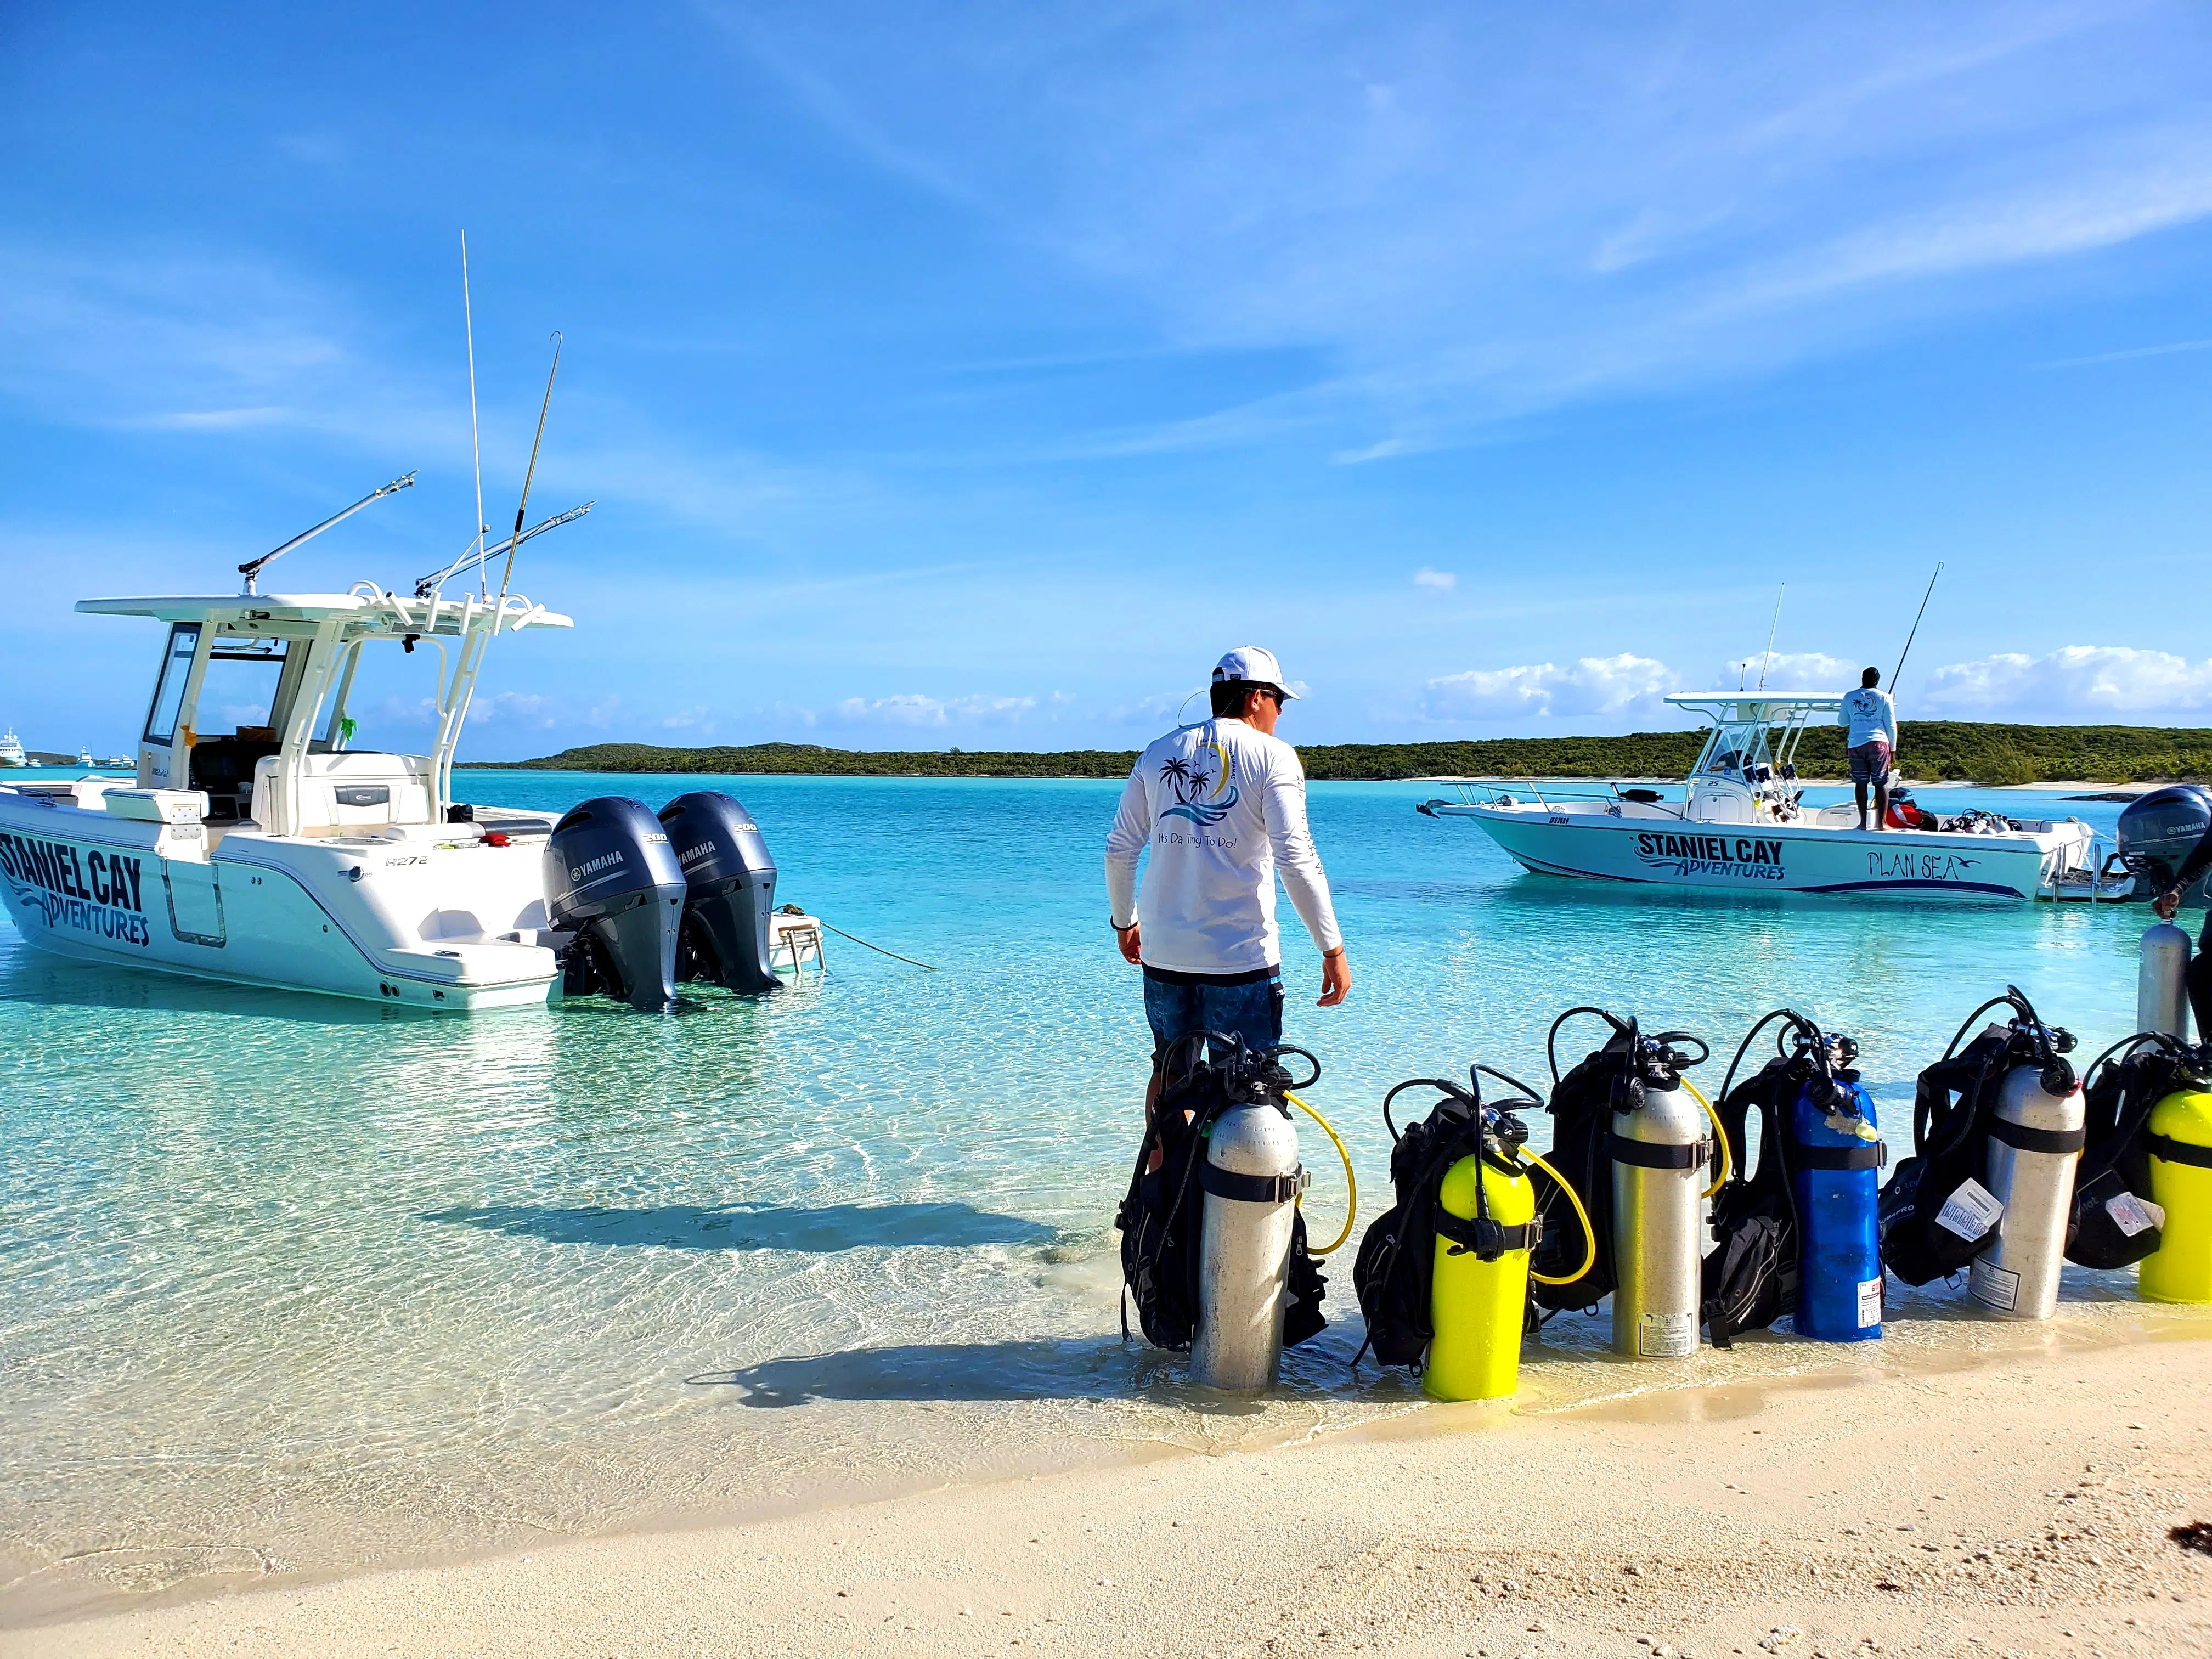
(2015, 1501)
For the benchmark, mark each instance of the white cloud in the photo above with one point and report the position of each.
(1789, 670)
(2075, 684)
(1603, 686)
(912, 709)
(1444, 580)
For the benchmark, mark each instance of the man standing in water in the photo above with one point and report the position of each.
(1222, 807)
(1872, 721)
(2167, 905)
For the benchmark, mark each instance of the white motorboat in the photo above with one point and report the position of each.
(1741, 824)
(11, 749)
(275, 854)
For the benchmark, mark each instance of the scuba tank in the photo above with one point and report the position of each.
(2181, 1146)
(1799, 1235)
(1659, 1152)
(1252, 1289)
(1252, 1179)
(1443, 1274)
(1998, 1128)
(2162, 982)
(1631, 1146)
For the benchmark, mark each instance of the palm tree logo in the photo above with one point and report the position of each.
(1181, 777)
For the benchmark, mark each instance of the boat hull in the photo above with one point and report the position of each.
(1772, 858)
(404, 924)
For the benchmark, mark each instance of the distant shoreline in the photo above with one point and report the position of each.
(1945, 751)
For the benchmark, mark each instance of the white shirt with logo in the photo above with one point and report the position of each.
(1871, 715)
(1222, 808)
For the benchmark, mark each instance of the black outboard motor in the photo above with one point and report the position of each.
(2158, 830)
(730, 891)
(611, 879)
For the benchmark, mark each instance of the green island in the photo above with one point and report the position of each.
(1954, 750)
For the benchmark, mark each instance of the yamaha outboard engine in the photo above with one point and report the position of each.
(2158, 830)
(611, 880)
(729, 892)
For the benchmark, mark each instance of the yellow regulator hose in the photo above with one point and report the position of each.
(1350, 1181)
(1719, 1134)
(1589, 1233)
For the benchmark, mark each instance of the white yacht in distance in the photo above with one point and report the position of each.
(11, 749)
(1741, 825)
(275, 854)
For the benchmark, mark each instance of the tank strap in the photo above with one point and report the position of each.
(1650, 1154)
(2179, 1152)
(1251, 1189)
(1487, 1240)
(1861, 1157)
(2036, 1140)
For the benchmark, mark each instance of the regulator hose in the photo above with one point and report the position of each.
(1589, 1233)
(1350, 1181)
(1719, 1134)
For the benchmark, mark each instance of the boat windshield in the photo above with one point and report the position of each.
(240, 688)
(1737, 749)
(169, 690)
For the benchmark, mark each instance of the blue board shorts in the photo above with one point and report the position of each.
(1870, 762)
(1250, 1005)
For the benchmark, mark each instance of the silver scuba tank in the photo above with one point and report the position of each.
(1659, 1152)
(2035, 1142)
(2161, 981)
(1251, 1178)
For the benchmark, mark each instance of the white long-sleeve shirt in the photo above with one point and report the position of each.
(1870, 714)
(1222, 807)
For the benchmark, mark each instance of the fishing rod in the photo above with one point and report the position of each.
(529, 472)
(1771, 629)
(252, 568)
(426, 585)
(1915, 633)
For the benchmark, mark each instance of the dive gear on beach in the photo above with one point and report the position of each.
(2178, 1140)
(1163, 1217)
(2116, 1221)
(729, 892)
(1629, 1137)
(1252, 1179)
(613, 884)
(1443, 1274)
(1798, 1234)
(1998, 1128)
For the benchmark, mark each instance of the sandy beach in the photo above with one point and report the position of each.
(2018, 1504)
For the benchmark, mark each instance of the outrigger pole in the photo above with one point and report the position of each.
(252, 568)
(476, 442)
(426, 585)
(1914, 634)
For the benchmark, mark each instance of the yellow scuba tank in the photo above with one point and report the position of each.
(2180, 1140)
(1479, 1298)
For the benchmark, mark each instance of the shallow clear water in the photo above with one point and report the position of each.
(290, 1282)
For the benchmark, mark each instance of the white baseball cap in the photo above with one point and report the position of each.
(1249, 662)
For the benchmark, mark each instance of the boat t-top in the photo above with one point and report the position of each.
(1740, 824)
(255, 844)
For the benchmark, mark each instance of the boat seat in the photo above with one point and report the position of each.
(351, 790)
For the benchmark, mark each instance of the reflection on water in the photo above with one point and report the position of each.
(288, 1282)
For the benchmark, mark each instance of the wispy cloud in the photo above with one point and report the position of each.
(2129, 356)
(1442, 580)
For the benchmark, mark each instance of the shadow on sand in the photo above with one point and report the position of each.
(745, 1227)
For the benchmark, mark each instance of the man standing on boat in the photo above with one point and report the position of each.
(1222, 806)
(1871, 719)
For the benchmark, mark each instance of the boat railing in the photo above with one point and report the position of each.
(1503, 791)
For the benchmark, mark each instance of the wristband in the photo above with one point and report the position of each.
(1120, 927)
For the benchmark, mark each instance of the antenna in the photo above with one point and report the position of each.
(1776, 623)
(1908, 638)
(530, 471)
(252, 568)
(475, 443)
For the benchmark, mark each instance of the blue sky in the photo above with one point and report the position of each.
(975, 375)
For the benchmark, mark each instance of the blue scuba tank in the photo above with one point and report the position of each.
(1836, 1179)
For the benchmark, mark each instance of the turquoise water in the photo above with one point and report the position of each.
(289, 1284)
